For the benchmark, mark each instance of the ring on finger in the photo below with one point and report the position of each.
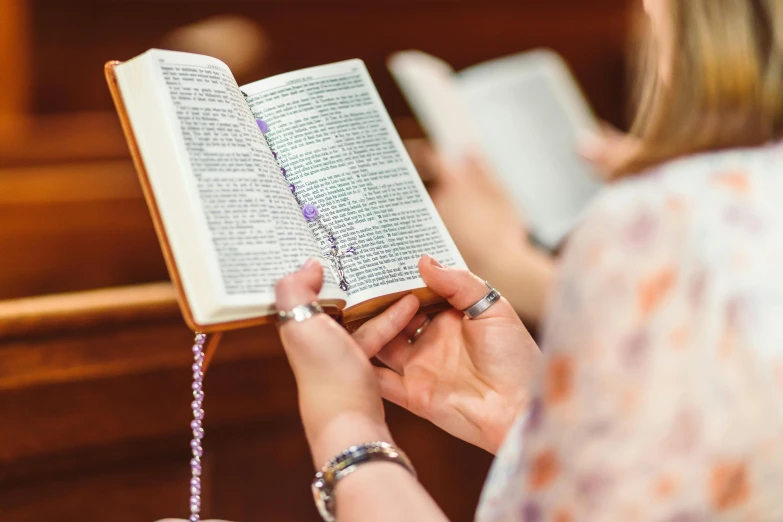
(299, 314)
(483, 304)
(419, 331)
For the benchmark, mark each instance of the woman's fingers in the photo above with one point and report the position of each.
(392, 387)
(304, 341)
(460, 288)
(418, 321)
(379, 331)
(300, 287)
(608, 149)
(396, 353)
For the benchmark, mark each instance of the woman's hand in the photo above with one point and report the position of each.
(609, 150)
(339, 398)
(487, 229)
(340, 403)
(469, 185)
(469, 377)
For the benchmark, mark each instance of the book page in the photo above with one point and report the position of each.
(337, 143)
(231, 221)
(530, 115)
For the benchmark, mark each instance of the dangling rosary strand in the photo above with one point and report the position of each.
(311, 214)
(196, 425)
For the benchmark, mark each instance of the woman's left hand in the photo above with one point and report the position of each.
(339, 398)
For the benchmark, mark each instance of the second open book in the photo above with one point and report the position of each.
(525, 114)
(228, 222)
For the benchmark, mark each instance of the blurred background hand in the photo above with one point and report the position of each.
(489, 232)
(609, 149)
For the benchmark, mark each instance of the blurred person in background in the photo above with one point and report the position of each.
(657, 393)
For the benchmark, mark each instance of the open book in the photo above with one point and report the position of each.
(524, 114)
(220, 189)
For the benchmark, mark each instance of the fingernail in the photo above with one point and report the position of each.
(434, 262)
(309, 264)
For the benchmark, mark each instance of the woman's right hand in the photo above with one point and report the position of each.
(469, 377)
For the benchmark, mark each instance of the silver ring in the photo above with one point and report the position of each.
(492, 297)
(299, 313)
(419, 331)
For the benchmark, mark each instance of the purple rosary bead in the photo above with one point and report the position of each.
(292, 187)
(284, 172)
(263, 126)
(310, 212)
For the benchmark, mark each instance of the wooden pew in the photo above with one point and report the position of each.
(74, 226)
(94, 390)
(66, 65)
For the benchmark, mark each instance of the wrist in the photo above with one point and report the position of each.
(524, 276)
(345, 430)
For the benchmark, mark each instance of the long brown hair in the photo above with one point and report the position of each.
(724, 85)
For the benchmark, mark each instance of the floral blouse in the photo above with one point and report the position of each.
(660, 396)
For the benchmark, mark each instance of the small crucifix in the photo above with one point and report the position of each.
(337, 257)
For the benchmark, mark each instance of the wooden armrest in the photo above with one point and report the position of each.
(42, 315)
(60, 138)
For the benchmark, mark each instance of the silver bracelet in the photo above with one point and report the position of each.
(346, 463)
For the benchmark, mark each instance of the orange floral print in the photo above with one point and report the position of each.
(729, 485)
(653, 290)
(664, 487)
(563, 515)
(737, 182)
(560, 376)
(543, 470)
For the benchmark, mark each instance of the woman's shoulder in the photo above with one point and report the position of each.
(748, 175)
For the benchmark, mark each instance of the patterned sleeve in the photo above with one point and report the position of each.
(636, 407)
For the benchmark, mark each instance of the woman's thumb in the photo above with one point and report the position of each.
(461, 288)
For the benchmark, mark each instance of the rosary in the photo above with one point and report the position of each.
(335, 256)
(312, 215)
